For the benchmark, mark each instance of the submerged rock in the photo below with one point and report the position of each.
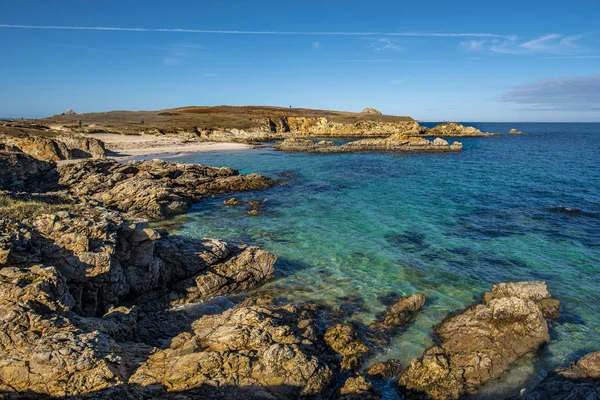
(580, 380)
(480, 343)
(233, 202)
(393, 143)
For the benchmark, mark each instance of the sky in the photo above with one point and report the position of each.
(482, 60)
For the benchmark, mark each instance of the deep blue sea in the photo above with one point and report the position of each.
(350, 228)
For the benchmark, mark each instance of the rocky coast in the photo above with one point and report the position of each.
(393, 143)
(96, 304)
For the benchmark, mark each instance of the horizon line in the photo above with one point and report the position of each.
(238, 32)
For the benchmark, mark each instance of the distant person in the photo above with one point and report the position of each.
(290, 106)
(80, 123)
(142, 122)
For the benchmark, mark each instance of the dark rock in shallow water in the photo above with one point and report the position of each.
(580, 380)
(480, 343)
(397, 316)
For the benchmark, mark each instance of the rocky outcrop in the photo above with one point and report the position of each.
(371, 111)
(394, 143)
(480, 343)
(514, 131)
(20, 172)
(154, 189)
(307, 126)
(57, 147)
(397, 316)
(272, 350)
(358, 388)
(344, 340)
(580, 380)
(452, 129)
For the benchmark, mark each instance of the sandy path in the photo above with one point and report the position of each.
(129, 146)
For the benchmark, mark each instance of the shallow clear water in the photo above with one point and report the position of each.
(352, 227)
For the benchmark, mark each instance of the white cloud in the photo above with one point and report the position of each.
(385, 44)
(235, 32)
(553, 43)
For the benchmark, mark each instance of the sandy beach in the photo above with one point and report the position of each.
(122, 147)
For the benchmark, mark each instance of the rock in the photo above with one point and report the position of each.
(344, 340)
(580, 380)
(256, 344)
(57, 147)
(358, 388)
(452, 129)
(385, 370)
(233, 202)
(253, 212)
(480, 343)
(393, 143)
(154, 189)
(514, 131)
(397, 316)
(20, 172)
(371, 111)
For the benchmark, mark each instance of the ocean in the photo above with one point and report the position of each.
(351, 229)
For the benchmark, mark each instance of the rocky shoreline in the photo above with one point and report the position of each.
(95, 304)
(394, 143)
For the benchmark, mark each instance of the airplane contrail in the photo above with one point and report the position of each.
(236, 32)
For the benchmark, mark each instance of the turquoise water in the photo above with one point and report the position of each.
(350, 228)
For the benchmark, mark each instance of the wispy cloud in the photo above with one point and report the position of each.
(553, 43)
(385, 44)
(316, 45)
(236, 32)
(581, 93)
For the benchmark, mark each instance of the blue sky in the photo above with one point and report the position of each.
(433, 60)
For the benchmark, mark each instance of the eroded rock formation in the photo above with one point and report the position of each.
(482, 342)
(154, 189)
(393, 143)
(452, 129)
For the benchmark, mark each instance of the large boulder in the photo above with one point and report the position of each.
(371, 111)
(399, 314)
(258, 347)
(480, 343)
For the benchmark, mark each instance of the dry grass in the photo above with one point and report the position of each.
(188, 118)
(20, 207)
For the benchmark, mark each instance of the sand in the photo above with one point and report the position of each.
(122, 147)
